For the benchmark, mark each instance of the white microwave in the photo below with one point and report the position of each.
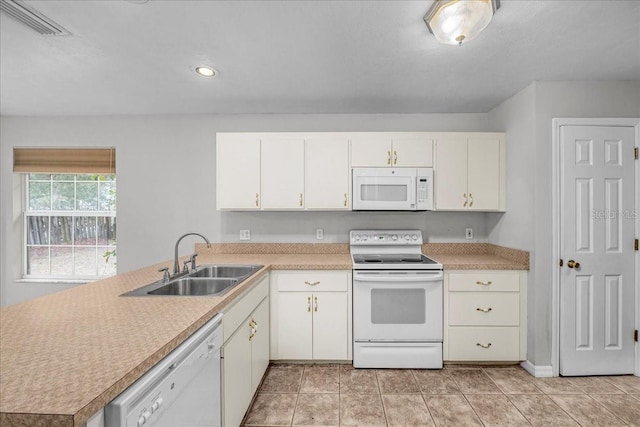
(392, 189)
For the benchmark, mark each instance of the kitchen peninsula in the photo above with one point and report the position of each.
(65, 356)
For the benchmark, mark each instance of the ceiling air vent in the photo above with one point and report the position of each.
(32, 19)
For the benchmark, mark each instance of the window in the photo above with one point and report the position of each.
(70, 226)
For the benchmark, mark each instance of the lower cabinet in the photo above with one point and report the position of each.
(485, 315)
(311, 315)
(245, 353)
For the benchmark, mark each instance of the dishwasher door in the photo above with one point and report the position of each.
(182, 390)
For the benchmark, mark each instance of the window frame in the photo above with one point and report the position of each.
(26, 213)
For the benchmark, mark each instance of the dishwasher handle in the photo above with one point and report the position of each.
(390, 276)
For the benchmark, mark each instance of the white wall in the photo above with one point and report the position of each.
(516, 117)
(166, 184)
(531, 220)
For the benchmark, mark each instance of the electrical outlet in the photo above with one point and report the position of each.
(468, 233)
(245, 234)
(319, 234)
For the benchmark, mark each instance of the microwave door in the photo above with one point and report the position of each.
(385, 193)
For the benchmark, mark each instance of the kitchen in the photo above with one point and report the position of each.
(151, 200)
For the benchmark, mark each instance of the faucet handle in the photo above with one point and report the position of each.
(193, 261)
(185, 268)
(165, 276)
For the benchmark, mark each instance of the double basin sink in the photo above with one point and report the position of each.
(206, 280)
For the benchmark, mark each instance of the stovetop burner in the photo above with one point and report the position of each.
(389, 250)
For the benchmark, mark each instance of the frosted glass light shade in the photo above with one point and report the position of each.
(457, 21)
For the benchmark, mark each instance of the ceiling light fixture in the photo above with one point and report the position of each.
(206, 71)
(457, 21)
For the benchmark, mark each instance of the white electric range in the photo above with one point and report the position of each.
(397, 301)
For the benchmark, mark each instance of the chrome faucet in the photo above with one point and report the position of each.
(176, 265)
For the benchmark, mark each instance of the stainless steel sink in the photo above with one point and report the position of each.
(192, 286)
(231, 270)
(206, 280)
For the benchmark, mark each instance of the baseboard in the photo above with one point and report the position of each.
(540, 371)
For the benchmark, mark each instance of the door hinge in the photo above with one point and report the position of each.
(635, 153)
(561, 262)
(635, 335)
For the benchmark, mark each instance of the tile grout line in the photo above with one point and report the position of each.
(423, 397)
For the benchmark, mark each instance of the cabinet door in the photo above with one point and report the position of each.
(330, 326)
(451, 173)
(282, 173)
(412, 152)
(371, 150)
(294, 325)
(327, 173)
(484, 174)
(238, 171)
(260, 344)
(236, 377)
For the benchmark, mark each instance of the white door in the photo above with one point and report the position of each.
(282, 173)
(483, 178)
(451, 173)
(330, 326)
(238, 171)
(413, 151)
(327, 173)
(597, 280)
(369, 150)
(295, 328)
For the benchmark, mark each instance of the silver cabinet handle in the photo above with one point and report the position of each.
(315, 306)
(483, 345)
(471, 197)
(395, 157)
(389, 157)
(308, 304)
(484, 310)
(484, 283)
(312, 283)
(466, 200)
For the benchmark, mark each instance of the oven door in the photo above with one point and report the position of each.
(384, 189)
(397, 305)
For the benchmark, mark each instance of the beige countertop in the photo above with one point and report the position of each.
(66, 355)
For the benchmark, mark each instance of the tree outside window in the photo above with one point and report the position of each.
(70, 224)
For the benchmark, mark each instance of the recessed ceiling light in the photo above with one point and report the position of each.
(206, 71)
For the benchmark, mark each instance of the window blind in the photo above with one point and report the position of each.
(65, 160)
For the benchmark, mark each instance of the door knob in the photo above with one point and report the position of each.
(573, 264)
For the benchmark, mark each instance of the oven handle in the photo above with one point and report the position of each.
(414, 276)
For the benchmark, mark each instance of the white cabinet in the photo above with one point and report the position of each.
(245, 353)
(392, 149)
(485, 315)
(470, 171)
(238, 171)
(282, 173)
(311, 315)
(327, 172)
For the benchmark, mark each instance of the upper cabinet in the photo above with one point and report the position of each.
(312, 170)
(282, 172)
(470, 171)
(238, 171)
(392, 149)
(327, 172)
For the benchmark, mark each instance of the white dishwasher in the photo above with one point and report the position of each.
(183, 389)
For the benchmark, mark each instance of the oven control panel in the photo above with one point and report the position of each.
(385, 237)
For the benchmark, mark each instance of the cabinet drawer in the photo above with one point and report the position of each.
(500, 343)
(484, 281)
(484, 309)
(312, 281)
(238, 312)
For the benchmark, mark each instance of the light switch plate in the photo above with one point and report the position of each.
(319, 233)
(245, 234)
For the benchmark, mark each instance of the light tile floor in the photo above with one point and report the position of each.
(339, 395)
